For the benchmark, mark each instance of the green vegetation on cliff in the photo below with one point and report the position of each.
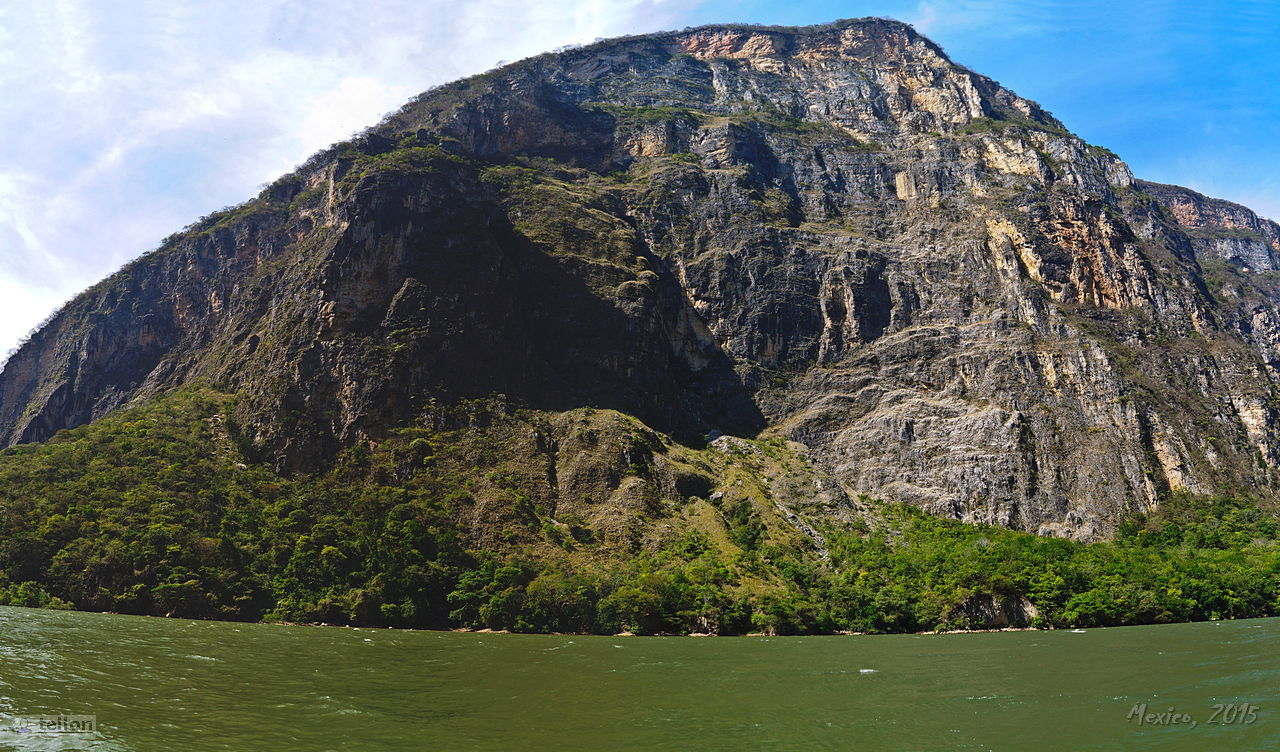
(155, 510)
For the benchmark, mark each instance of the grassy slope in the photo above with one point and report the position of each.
(583, 521)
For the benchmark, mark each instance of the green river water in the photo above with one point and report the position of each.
(174, 685)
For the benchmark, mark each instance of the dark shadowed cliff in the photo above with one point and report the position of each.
(834, 234)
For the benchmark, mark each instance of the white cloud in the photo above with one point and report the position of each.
(356, 102)
(125, 121)
(21, 308)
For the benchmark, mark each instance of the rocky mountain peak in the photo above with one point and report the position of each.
(874, 78)
(834, 234)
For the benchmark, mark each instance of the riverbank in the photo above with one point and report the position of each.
(489, 631)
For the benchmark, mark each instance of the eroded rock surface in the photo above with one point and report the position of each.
(833, 232)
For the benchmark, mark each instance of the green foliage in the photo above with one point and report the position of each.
(1102, 151)
(772, 116)
(984, 124)
(30, 595)
(226, 219)
(745, 527)
(1219, 232)
(778, 208)
(644, 115)
(563, 217)
(410, 158)
(1197, 560)
(153, 510)
(682, 588)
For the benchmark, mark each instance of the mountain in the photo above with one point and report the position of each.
(828, 257)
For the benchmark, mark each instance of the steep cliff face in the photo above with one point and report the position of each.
(834, 233)
(1221, 229)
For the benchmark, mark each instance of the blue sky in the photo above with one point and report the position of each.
(1185, 92)
(124, 121)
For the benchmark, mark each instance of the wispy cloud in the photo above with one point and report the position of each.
(125, 121)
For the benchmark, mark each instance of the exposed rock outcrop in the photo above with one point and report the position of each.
(832, 231)
(995, 612)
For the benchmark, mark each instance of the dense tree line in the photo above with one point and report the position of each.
(155, 511)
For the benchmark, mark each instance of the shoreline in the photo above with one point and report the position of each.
(487, 631)
(463, 630)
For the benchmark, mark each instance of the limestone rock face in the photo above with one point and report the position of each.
(1220, 228)
(832, 232)
(995, 612)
